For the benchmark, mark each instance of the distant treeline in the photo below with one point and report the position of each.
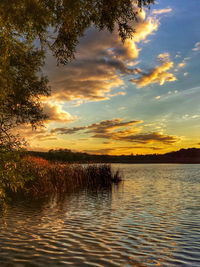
(190, 155)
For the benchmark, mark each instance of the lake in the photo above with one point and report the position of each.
(152, 218)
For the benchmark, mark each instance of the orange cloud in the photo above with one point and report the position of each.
(144, 27)
(109, 129)
(55, 113)
(97, 128)
(181, 65)
(154, 137)
(31, 135)
(157, 75)
(164, 57)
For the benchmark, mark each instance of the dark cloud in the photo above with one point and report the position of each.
(107, 142)
(89, 79)
(146, 138)
(110, 129)
(141, 147)
(143, 138)
(65, 130)
(98, 128)
(108, 125)
(100, 58)
(99, 151)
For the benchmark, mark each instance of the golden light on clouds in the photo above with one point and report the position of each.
(145, 28)
(101, 61)
(157, 75)
(55, 113)
(118, 130)
(181, 65)
(164, 56)
(114, 133)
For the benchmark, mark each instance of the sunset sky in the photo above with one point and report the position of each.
(139, 97)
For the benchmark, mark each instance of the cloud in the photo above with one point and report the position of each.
(139, 147)
(114, 130)
(178, 55)
(118, 135)
(190, 116)
(142, 138)
(181, 65)
(97, 128)
(45, 137)
(101, 62)
(186, 58)
(55, 113)
(65, 130)
(108, 125)
(161, 11)
(146, 138)
(157, 75)
(196, 47)
(164, 57)
(101, 151)
(31, 135)
(144, 27)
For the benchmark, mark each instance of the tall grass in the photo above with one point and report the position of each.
(43, 178)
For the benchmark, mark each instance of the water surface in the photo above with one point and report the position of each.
(152, 218)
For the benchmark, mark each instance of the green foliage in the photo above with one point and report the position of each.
(59, 23)
(13, 174)
(20, 86)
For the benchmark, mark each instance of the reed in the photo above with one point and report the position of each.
(43, 178)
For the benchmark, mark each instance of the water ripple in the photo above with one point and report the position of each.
(151, 219)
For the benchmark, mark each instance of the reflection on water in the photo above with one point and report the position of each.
(152, 218)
